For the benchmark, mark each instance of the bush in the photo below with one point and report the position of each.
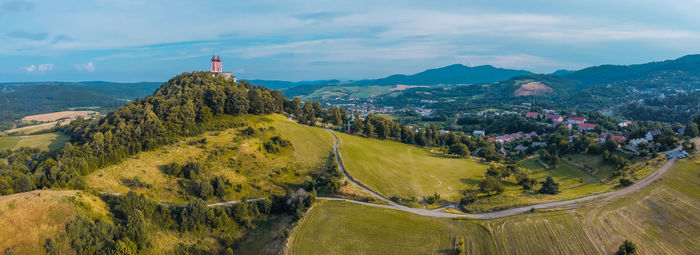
(627, 247)
(549, 186)
(192, 169)
(624, 182)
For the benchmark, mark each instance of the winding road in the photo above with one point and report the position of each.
(572, 203)
(566, 204)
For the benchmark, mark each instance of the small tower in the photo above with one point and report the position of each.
(214, 65)
(218, 64)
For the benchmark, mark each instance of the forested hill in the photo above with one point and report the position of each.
(186, 105)
(452, 74)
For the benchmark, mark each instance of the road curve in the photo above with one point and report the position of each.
(572, 203)
(566, 204)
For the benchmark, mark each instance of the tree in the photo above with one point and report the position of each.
(691, 130)
(491, 185)
(459, 149)
(627, 247)
(468, 198)
(549, 186)
(357, 125)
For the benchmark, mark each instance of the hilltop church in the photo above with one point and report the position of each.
(216, 69)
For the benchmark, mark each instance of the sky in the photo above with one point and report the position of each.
(130, 40)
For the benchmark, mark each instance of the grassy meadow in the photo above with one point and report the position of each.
(241, 159)
(574, 181)
(402, 170)
(49, 141)
(663, 218)
(28, 219)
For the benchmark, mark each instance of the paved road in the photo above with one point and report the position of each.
(573, 203)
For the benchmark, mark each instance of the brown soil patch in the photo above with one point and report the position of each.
(54, 116)
(405, 87)
(533, 88)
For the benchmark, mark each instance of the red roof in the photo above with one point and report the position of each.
(586, 125)
(531, 114)
(576, 118)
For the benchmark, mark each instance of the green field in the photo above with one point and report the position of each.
(328, 92)
(574, 182)
(240, 159)
(50, 141)
(663, 218)
(401, 170)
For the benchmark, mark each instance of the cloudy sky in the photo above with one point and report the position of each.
(133, 40)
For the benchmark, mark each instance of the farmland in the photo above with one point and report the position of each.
(664, 218)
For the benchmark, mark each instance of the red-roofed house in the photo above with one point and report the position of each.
(554, 117)
(576, 120)
(586, 126)
(566, 124)
(532, 115)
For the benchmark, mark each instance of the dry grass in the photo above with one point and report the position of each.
(28, 219)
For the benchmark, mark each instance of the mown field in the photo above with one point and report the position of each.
(28, 219)
(49, 141)
(401, 170)
(663, 218)
(241, 159)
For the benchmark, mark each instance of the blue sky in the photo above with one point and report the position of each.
(128, 40)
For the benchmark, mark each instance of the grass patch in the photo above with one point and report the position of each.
(336, 227)
(50, 141)
(401, 170)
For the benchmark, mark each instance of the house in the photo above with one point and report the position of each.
(624, 123)
(575, 120)
(586, 126)
(554, 117)
(566, 124)
(617, 138)
(638, 141)
(539, 144)
(476, 152)
(502, 151)
(520, 147)
(532, 115)
(479, 133)
(650, 135)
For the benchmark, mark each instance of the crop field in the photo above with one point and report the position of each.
(397, 169)
(55, 116)
(241, 159)
(663, 218)
(50, 141)
(28, 219)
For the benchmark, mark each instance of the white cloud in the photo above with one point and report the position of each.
(40, 68)
(89, 67)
